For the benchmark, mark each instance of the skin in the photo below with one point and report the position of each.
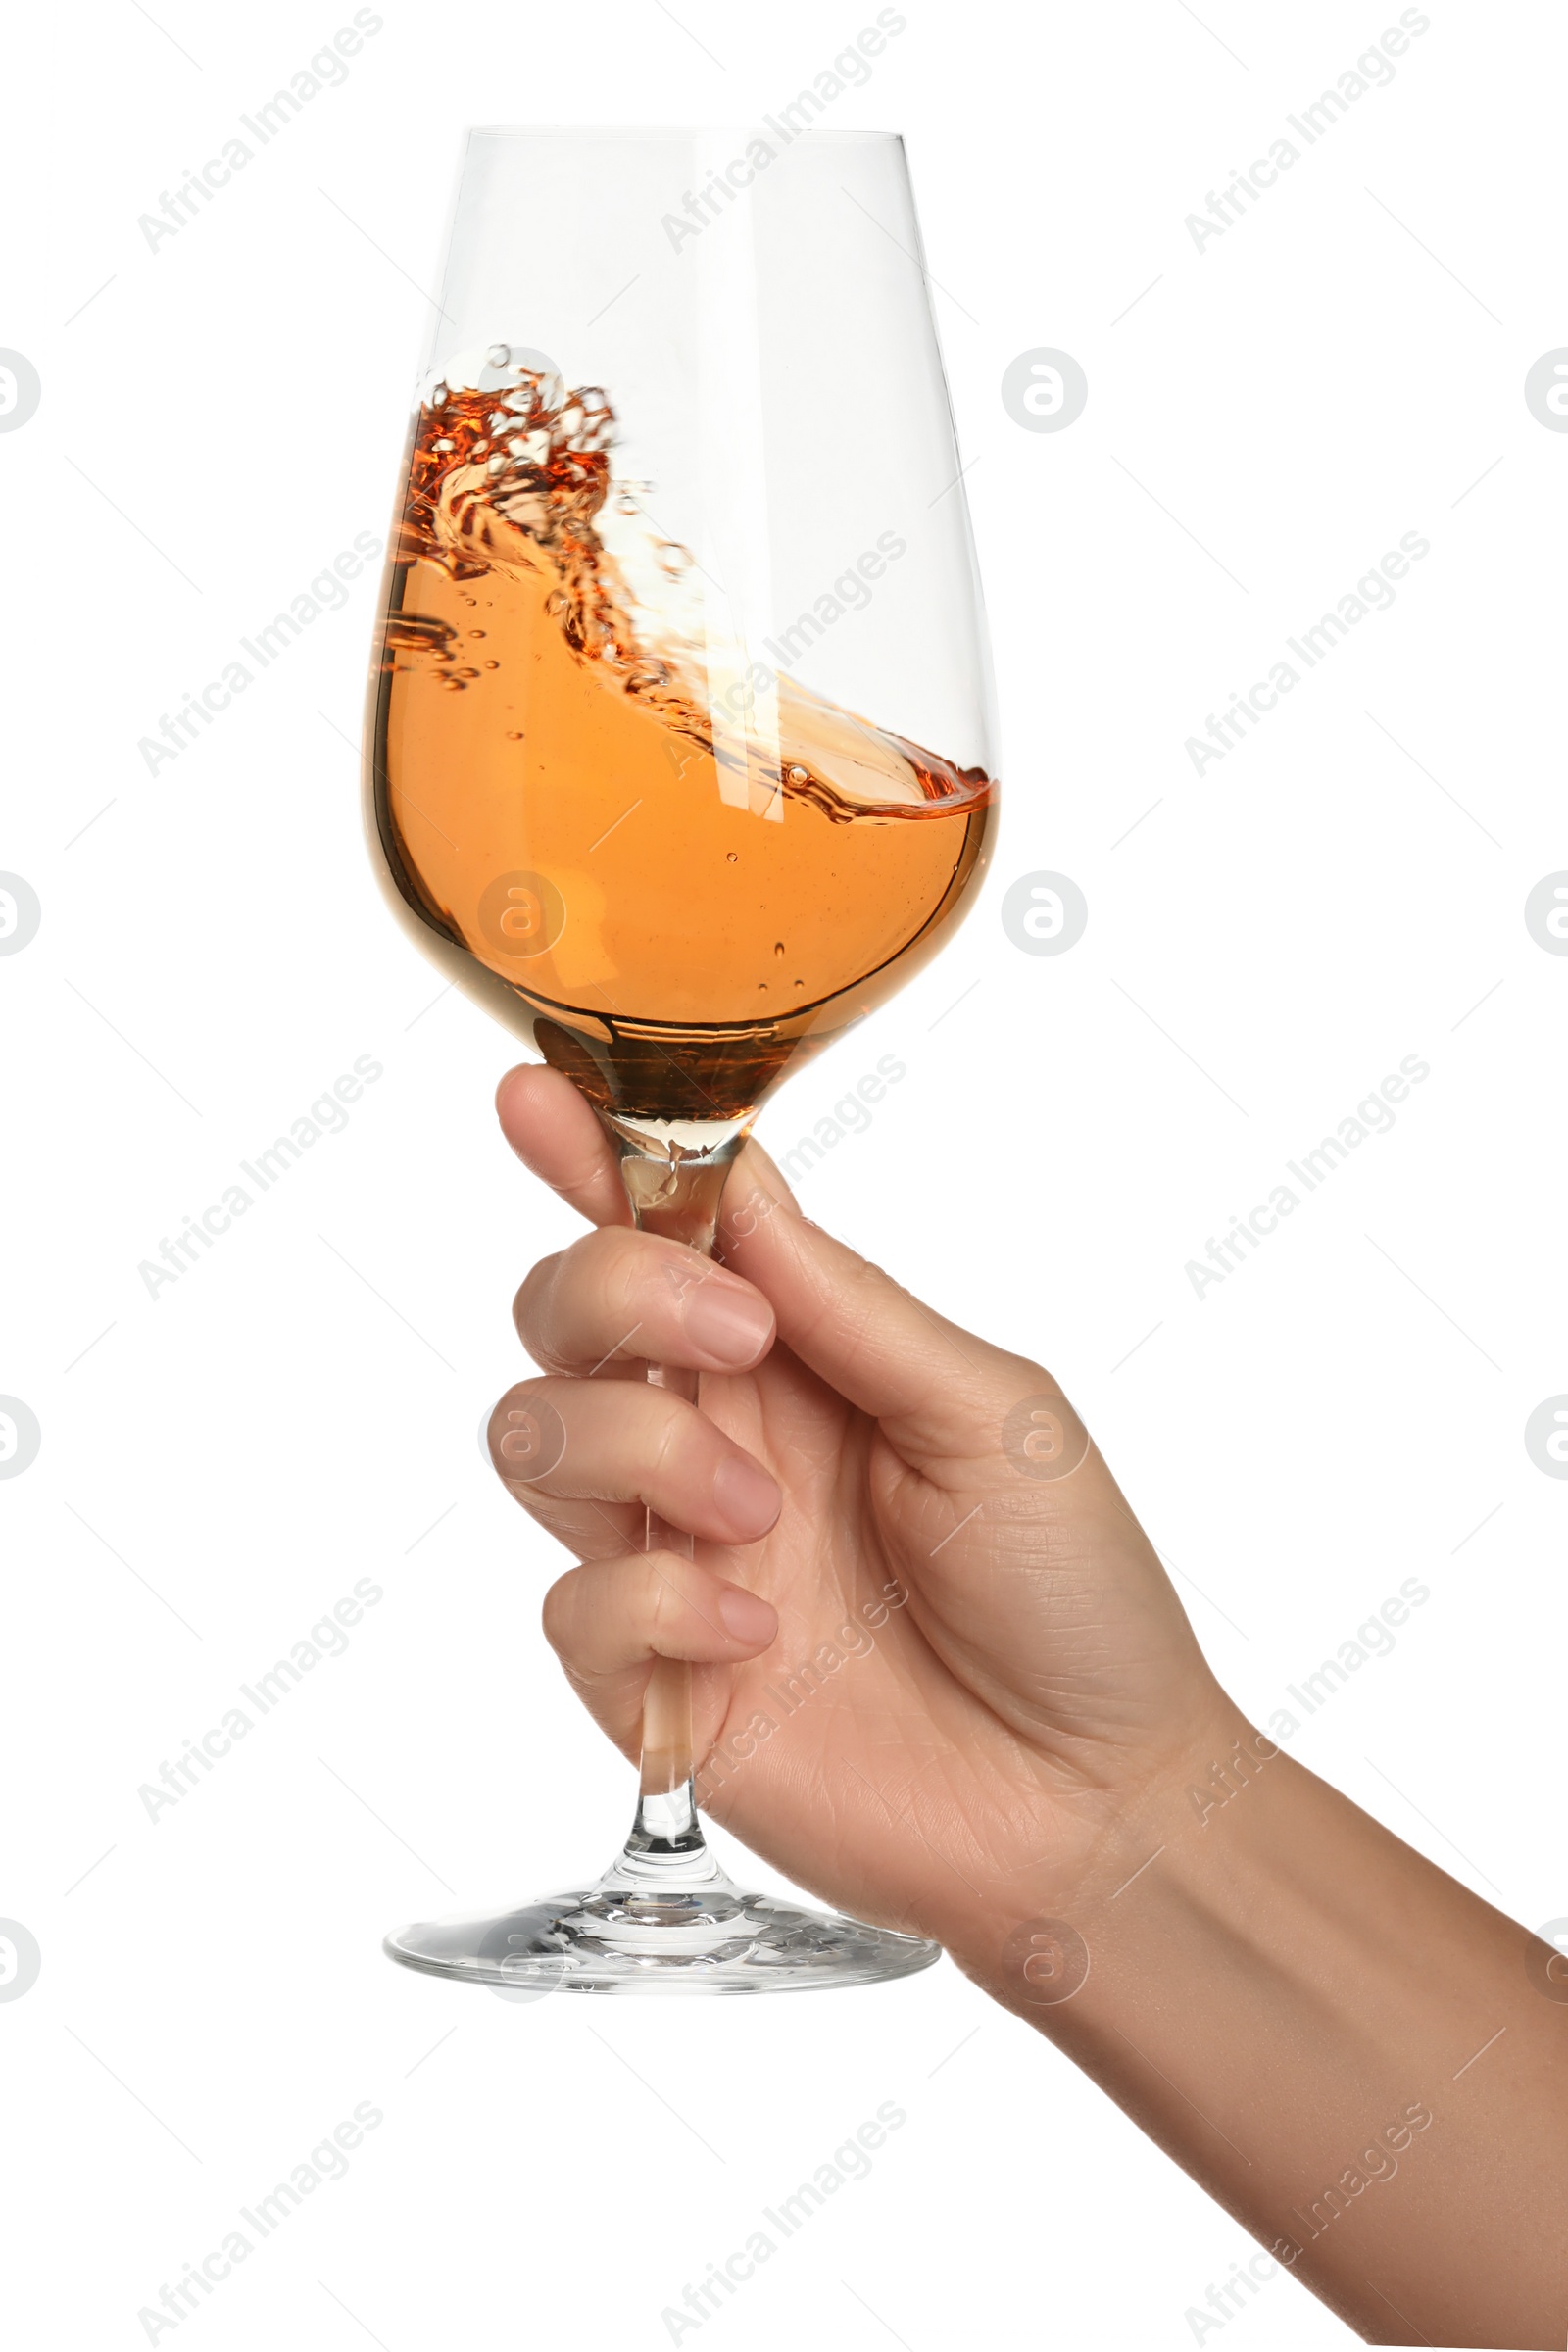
(1012, 1743)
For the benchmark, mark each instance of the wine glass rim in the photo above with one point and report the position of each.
(665, 131)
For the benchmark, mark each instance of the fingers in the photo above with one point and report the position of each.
(607, 1622)
(614, 1614)
(556, 1442)
(941, 1391)
(928, 1379)
(553, 1131)
(622, 1297)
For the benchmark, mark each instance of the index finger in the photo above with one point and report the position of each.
(553, 1132)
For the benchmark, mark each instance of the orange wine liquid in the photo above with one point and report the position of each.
(672, 884)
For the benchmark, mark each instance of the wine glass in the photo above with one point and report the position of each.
(679, 756)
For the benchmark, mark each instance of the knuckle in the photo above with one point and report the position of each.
(526, 1436)
(559, 1609)
(597, 1299)
(521, 1393)
(611, 1253)
(532, 1299)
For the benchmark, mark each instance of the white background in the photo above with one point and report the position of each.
(1344, 365)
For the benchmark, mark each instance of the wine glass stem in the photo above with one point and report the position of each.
(673, 1192)
(667, 1752)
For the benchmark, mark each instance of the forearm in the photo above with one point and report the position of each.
(1353, 2054)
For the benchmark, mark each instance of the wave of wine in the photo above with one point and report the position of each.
(673, 870)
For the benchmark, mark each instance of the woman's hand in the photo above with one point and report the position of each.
(936, 1658)
(941, 1680)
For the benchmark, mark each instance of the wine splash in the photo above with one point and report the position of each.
(679, 868)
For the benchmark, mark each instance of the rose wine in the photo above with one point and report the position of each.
(671, 868)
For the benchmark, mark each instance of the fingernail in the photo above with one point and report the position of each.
(745, 1496)
(727, 1321)
(745, 1615)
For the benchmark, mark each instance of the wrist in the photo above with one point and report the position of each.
(1033, 1938)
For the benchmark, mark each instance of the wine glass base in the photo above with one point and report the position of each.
(596, 1939)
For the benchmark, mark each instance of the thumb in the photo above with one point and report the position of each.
(940, 1392)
